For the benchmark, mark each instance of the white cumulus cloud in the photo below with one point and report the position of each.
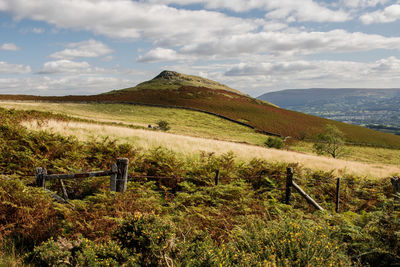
(9, 47)
(160, 54)
(7, 68)
(90, 48)
(129, 19)
(362, 3)
(65, 66)
(291, 43)
(389, 14)
(304, 10)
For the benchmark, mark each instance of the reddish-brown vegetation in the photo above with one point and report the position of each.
(260, 115)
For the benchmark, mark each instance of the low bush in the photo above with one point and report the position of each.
(274, 142)
(28, 215)
(163, 125)
(80, 252)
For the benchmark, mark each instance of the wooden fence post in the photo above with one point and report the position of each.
(64, 190)
(216, 177)
(307, 197)
(396, 184)
(337, 194)
(122, 175)
(113, 178)
(289, 183)
(40, 179)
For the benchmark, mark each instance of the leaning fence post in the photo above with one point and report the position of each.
(306, 196)
(122, 175)
(216, 177)
(337, 194)
(40, 179)
(64, 190)
(289, 183)
(113, 178)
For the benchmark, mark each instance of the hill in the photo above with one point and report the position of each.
(172, 90)
(173, 80)
(374, 108)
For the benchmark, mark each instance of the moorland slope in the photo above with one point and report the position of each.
(171, 89)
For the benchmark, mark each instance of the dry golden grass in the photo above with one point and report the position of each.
(187, 145)
(182, 121)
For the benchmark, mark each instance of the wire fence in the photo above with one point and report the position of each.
(170, 184)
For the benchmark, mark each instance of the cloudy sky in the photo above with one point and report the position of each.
(58, 47)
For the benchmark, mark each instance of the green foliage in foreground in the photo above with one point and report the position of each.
(189, 222)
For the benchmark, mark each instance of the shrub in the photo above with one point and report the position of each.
(27, 214)
(151, 237)
(81, 252)
(285, 242)
(274, 142)
(163, 125)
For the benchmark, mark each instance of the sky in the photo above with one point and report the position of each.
(65, 47)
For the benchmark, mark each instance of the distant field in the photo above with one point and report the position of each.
(182, 121)
(187, 145)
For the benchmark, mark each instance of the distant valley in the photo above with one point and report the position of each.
(377, 109)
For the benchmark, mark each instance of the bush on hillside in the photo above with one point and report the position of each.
(163, 125)
(274, 142)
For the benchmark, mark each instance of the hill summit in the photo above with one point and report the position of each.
(169, 75)
(168, 79)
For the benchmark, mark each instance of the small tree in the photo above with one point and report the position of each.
(330, 142)
(163, 125)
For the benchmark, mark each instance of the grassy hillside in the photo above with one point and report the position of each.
(194, 124)
(184, 122)
(256, 113)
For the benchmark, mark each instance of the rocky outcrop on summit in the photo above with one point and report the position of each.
(172, 80)
(167, 74)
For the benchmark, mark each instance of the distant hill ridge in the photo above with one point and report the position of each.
(375, 108)
(171, 89)
(300, 97)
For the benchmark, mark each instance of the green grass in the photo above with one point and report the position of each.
(184, 122)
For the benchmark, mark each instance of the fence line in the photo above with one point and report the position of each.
(119, 178)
